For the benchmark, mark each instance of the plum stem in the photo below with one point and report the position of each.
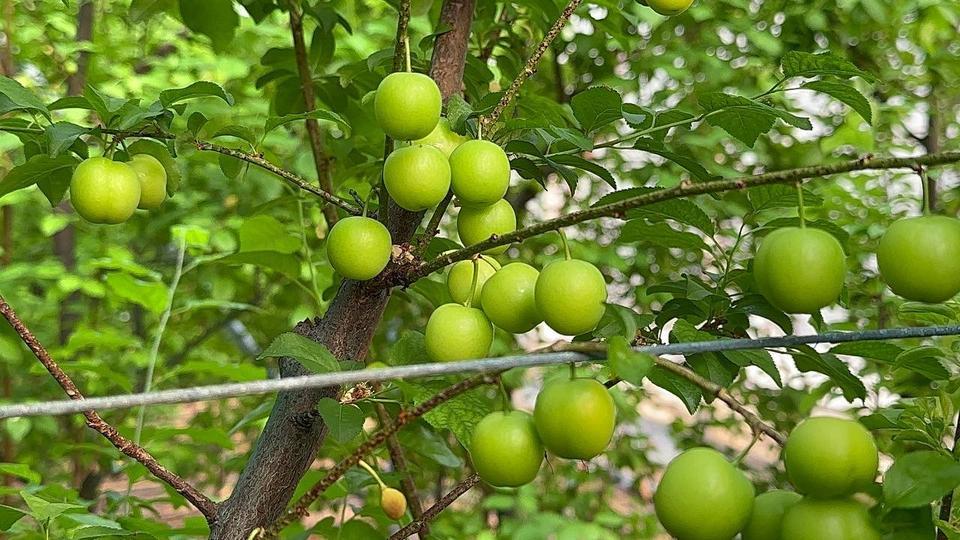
(504, 396)
(373, 473)
(800, 208)
(474, 281)
(926, 205)
(566, 247)
(743, 453)
(406, 49)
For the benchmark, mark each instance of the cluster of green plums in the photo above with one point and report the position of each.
(507, 447)
(702, 496)
(106, 191)
(430, 160)
(801, 269)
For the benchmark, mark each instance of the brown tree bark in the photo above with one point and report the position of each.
(294, 432)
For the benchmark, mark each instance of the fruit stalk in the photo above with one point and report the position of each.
(801, 210)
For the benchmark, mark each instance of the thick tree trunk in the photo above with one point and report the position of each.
(294, 433)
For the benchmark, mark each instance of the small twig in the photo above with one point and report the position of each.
(684, 189)
(418, 525)
(531, 65)
(433, 226)
(301, 507)
(206, 506)
(320, 157)
(290, 177)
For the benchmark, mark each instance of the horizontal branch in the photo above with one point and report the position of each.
(206, 506)
(290, 177)
(431, 513)
(301, 507)
(684, 189)
(427, 370)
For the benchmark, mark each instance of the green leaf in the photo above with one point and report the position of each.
(265, 233)
(874, 350)
(921, 314)
(320, 114)
(689, 393)
(314, 356)
(288, 265)
(920, 478)
(780, 196)
(345, 422)
(409, 349)
(459, 414)
(54, 172)
(429, 444)
(458, 111)
(14, 97)
(141, 10)
(71, 102)
(844, 93)
(105, 104)
(688, 162)
(9, 516)
(61, 136)
(42, 510)
(198, 89)
(215, 19)
(149, 294)
(925, 361)
(243, 133)
(683, 211)
(638, 117)
(21, 471)
(661, 235)
(808, 359)
(629, 365)
(580, 163)
(596, 107)
(803, 64)
(743, 118)
(755, 357)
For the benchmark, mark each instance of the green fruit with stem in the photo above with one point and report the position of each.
(508, 298)
(766, 520)
(104, 191)
(575, 417)
(460, 279)
(359, 247)
(153, 181)
(455, 332)
(669, 7)
(478, 223)
(919, 258)
(442, 138)
(829, 457)
(480, 173)
(571, 295)
(800, 269)
(416, 177)
(505, 449)
(702, 496)
(407, 105)
(833, 519)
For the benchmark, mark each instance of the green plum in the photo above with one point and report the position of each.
(104, 191)
(479, 173)
(478, 223)
(829, 457)
(575, 417)
(833, 519)
(508, 298)
(442, 138)
(505, 449)
(919, 258)
(570, 295)
(767, 517)
(407, 105)
(416, 177)
(800, 270)
(669, 7)
(153, 180)
(359, 247)
(702, 496)
(456, 332)
(460, 279)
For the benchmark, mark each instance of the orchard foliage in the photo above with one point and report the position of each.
(232, 249)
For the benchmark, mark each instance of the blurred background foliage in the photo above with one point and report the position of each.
(255, 263)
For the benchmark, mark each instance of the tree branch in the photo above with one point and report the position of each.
(531, 66)
(206, 506)
(290, 177)
(320, 157)
(684, 189)
(301, 507)
(399, 461)
(431, 513)
(433, 226)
